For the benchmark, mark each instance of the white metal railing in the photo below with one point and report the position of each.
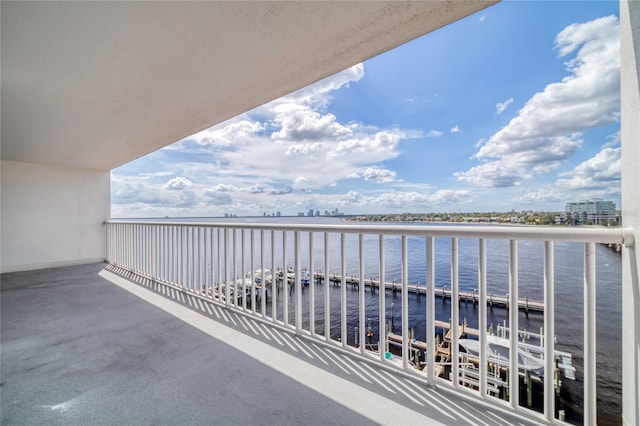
(245, 266)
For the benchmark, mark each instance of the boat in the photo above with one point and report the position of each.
(530, 357)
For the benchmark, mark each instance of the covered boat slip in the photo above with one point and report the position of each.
(91, 343)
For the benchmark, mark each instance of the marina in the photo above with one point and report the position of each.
(472, 297)
(530, 344)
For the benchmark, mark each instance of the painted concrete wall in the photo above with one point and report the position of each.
(51, 215)
(630, 93)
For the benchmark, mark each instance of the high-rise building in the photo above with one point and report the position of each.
(595, 212)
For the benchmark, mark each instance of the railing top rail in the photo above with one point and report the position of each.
(516, 232)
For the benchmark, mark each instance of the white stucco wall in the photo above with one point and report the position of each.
(630, 96)
(51, 215)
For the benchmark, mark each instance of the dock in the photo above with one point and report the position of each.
(527, 305)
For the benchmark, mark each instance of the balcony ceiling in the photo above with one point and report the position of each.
(97, 84)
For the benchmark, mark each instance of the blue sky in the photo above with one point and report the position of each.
(514, 108)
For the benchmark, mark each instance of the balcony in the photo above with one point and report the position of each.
(78, 349)
(95, 344)
(235, 282)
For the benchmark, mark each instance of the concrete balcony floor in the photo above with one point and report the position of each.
(86, 345)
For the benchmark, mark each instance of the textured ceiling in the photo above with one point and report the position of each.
(97, 84)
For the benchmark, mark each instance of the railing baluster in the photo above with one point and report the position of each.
(221, 255)
(200, 260)
(343, 291)
(252, 278)
(274, 276)
(298, 283)
(361, 289)
(430, 309)
(243, 272)
(549, 332)
(227, 260)
(405, 304)
(183, 263)
(455, 313)
(170, 248)
(312, 288)
(590, 401)
(263, 283)
(285, 280)
(327, 302)
(482, 320)
(194, 264)
(134, 248)
(382, 292)
(234, 258)
(154, 252)
(513, 325)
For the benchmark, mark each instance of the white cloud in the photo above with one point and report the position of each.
(228, 134)
(221, 187)
(303, 148)
(178, 183)
(379, 175)
(416, 199)
(456, 129)
(613, 140)
(381, 142)
(597, 177)
(599, 172)
(448, 196)
(433, 134)
(353, 197)
(482, 18)
(317, 95)
(499, 173)
(300, 123)
(548, 129)
(258, 188)
(501, 106)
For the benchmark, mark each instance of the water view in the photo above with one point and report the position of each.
(569, 259)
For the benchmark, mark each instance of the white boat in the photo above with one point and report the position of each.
(530, 357)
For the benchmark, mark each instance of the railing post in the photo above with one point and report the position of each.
(630, 182)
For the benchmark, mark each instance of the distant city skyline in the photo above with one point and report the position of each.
(515, 107)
